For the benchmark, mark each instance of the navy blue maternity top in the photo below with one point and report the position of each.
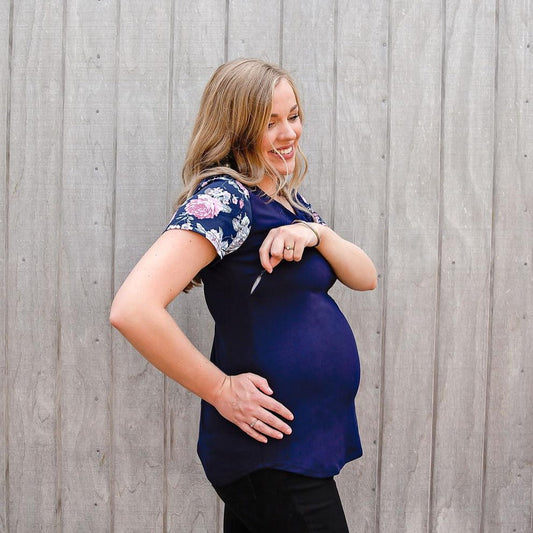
(289, 331)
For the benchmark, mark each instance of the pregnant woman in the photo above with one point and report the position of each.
(278, 417)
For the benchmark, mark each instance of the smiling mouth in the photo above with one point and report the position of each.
(284, 151)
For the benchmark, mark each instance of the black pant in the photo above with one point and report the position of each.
(272, 501)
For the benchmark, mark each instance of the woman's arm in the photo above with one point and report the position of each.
(139, 313)
(351, 265)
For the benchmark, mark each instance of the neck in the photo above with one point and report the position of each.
(268, 186)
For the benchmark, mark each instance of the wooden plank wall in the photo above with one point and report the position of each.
(419, 133)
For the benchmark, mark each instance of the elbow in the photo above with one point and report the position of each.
(370, 284)
(366, 283)
(120, 315)
(373, 282)
(116, 316)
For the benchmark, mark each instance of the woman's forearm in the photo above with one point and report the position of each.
(241, 399)
(154, 334)
(351, 264)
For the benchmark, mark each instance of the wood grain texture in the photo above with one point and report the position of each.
(509, 461)
(313, 69)
(86, 279)
(199, 35)
(33, 243)
(419, 132)
(361, 154)
(411, 279)
(5, 84)
(467, 166)
(141, 189)
(254, 29)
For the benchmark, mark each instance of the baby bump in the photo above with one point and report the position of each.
(312, 354)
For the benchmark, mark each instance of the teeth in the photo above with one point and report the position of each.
(286, 151)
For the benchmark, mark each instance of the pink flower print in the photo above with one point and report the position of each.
(242, 188)
(204, 206)
(241, 204)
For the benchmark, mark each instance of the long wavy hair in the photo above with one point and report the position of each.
(233, 117)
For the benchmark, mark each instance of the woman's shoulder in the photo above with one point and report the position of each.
(224, 183)
(219, 210)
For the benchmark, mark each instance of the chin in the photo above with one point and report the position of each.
(282, 169)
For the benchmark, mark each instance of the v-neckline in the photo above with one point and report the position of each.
(293, 213)
(268, 199)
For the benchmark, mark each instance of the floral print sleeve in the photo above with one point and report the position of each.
(220, 211)
(315, 216)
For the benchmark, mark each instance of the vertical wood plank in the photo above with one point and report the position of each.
(467, 145)
(86, 290)
(509, 462)
(141, 188)
(199, 37)
(359, 203)
(315, 79)
(33, 244)
(413, 197)
(254, 29)
(5, 84)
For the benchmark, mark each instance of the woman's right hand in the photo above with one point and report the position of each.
(246, 400)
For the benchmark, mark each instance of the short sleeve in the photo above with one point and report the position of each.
(220, 210)
(311, 212)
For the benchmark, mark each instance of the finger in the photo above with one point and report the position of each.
(269, 403)
(253, 433)
(277, 249)
(298, 251)
(267, 419)
(260, 382)
(270, 254)
(268, 431)
(264, 254)
(288, 253)
(276, 407)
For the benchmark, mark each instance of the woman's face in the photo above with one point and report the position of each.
(281, 137)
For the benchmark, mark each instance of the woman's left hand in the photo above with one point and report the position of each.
(350, 264)
(286, 243)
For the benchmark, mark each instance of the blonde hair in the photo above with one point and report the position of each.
(234, 114)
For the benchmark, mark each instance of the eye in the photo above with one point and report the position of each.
(294, 118)
(271, 125)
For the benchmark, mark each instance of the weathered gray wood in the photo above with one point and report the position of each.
(444, 345)
(361, 154)
(33, 243)
(464, 299)
(314, 76)
(509, 460)
(328, 98)
(411, 279)
(5, 84)
(254, 29)
(141, 188)
(193, 505)
(465, 289)
(86, 282)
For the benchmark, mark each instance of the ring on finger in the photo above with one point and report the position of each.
(289, 248)
(254, 423)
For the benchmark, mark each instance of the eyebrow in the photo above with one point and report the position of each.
(293, 108)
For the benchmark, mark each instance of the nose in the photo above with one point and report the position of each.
(287, 131)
